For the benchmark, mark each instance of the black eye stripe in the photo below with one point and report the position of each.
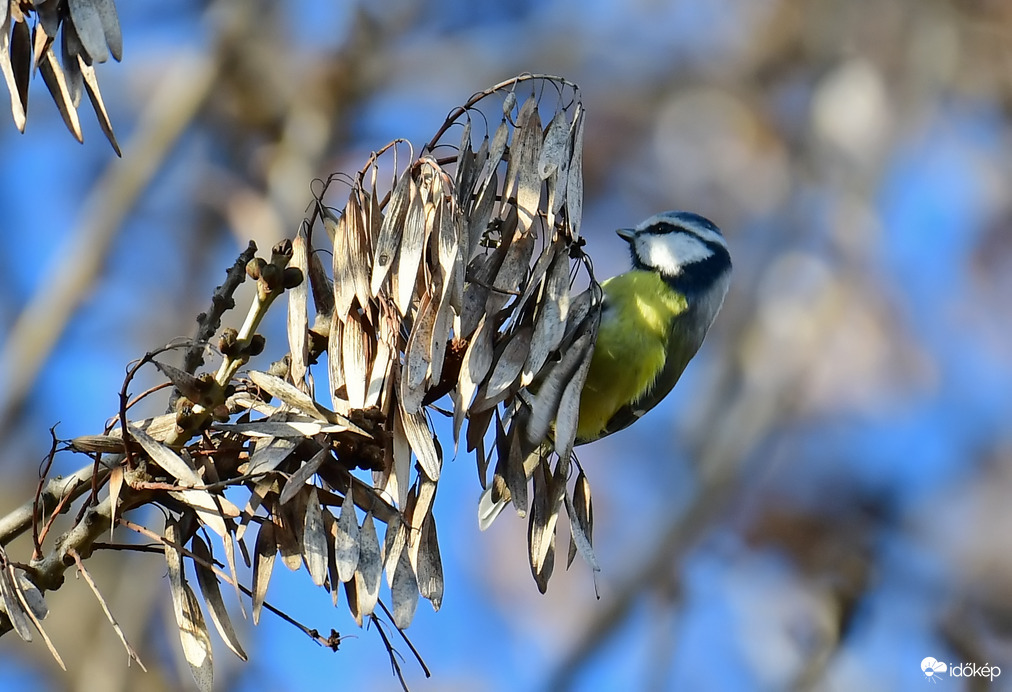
(666, 227)
(663, 228)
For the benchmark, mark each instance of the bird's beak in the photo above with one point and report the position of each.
(626, 234)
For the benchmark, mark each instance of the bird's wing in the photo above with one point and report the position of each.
(679, 355)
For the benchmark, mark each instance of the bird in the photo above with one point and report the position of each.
(654, 318)
(653, 321)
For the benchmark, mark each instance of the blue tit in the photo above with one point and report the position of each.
(653, 320)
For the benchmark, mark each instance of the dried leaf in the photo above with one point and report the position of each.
(545, 403)
(31, 597)
(173, 560)
(416, 225)
(346, 540)
(541, 530)
(295, 428)
(87, 72)
(36, 610)
(208, 582)
(358, 249)
(115, 486)
(88, 23)
(229, 544)
(515, 265)
(211, 509)
(419, 508)
(440, 339)
(298, 479)
(468, 196)
(288, 522)
(16, 613)
(61, 91)
(535, 281)
(489, 509)
(334, 581)
(314, 540)
(351, 593)
(558, 180)
(430, 564)
(581, 518)
(21, 62)
(381, 363)
(299, 400)
(335, 365)
(265, 550)
(197, 390)
(574, 187)
(477, 426)
(195, 640)
(477, 361)
(258, 495)
(509, 103)
(166, 458)
(399, 479)
(550, 322)
(394, 543)
(555, 148)
(466, 163)
(568, 414)
(74, 56)
(344, 284)
(355, 357)
(369, 573)
(481, 216)
(418, 357)
(509, 364)
(389, 240)
(268, 454)
(422, 441)
(515, 476)
(298, 312)
(524, 156)
(404, 592)
(496, 152)
(322, 287)
(110, 27)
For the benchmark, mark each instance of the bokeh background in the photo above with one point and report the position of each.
(823, 501)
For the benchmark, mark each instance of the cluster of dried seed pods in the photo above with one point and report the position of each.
(457, 280)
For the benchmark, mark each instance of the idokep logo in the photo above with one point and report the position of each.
(934, 669)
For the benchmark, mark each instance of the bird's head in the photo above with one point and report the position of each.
(686, 249)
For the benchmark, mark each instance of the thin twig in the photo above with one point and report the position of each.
(414, 651)
(101, 601)
(475, 98)
(208, 322)
(16, 522)
(35, 621)
(312, 633)
(146, 393)
(57, 511)
(43, 475)
(391, 652)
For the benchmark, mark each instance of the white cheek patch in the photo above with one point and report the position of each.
(671, 251)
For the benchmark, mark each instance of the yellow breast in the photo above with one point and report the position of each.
(631, 347)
